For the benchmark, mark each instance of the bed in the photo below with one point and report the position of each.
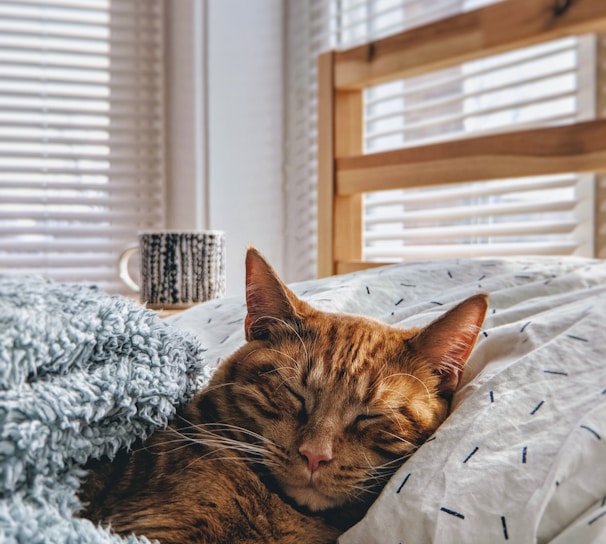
(521, 457)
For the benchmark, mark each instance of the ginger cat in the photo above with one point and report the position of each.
(297, 431)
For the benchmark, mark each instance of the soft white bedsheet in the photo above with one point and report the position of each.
(522, 457)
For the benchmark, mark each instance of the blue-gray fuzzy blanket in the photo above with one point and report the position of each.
(82, 374)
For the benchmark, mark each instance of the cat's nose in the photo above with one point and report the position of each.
(315, 456)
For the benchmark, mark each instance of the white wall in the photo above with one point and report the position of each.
(185, 119)
(245, 129)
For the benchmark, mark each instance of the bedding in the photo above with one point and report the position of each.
(522, 457)
(82, 374)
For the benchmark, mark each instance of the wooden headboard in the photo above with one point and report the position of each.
(345, 173)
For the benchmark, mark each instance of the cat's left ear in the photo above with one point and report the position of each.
(268, 300)
(446, 343)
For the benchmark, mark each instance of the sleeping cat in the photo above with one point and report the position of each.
(297, 431)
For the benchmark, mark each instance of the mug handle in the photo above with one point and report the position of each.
(123, 267)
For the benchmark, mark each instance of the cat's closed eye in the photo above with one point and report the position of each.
(299, 403)
(361, 421)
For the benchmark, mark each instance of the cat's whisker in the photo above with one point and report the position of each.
(407, 375)
(290, 358)
(286, 324)
(216, 441)
(397, 461)
(400, 438)
(208, 389)
(221, 426)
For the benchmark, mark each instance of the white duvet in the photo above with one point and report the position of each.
(522, 457)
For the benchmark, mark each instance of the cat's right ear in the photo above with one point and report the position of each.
(268, 300)
(446, 343)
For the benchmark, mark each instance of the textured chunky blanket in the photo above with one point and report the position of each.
(82, 374)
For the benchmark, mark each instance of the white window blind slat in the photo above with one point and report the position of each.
(517, 228)
(453, 193)
(81, 141)
(467, 211)
(451, 251)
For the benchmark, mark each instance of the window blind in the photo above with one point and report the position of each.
(309, 30)
(81, 142)
(539, 86)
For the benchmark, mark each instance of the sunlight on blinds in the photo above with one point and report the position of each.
(80, 134)
(537, 86)
(544, 85)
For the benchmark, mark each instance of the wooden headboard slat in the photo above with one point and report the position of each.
(494, 29)
(569, 148)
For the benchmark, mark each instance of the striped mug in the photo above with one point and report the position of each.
(177, 269)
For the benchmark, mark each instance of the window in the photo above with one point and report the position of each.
(537, 86)
(81, 142)
(548, 84)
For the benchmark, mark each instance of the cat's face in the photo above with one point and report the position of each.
(340, 401)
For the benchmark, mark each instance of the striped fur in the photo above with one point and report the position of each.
(235, 465)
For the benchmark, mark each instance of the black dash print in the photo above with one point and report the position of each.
(452, 513)
(408, 284)
(224, 340)
(604, 392)
(579, 338)
(485, 334)
(471, 454)
(209, 320)
(524, 451)
(524, 326)
(558, 372)
(235, 321)
(449, 274)
(403, 483)
(430, 439)
(437, 303)
(481, 277)
(522, 277)
(591, 431)
(367, 290)
(593, 520)
(399, 302)
(491, 395)
(536, 408)
(603, 502)
(504, 526)
(557, 484)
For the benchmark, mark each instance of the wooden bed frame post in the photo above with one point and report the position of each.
(600, 178)
(326, 164)
(340, 135)
(348, 209)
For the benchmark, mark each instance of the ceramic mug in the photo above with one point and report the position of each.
(177, 268)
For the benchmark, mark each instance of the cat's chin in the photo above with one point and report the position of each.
(310, 498)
